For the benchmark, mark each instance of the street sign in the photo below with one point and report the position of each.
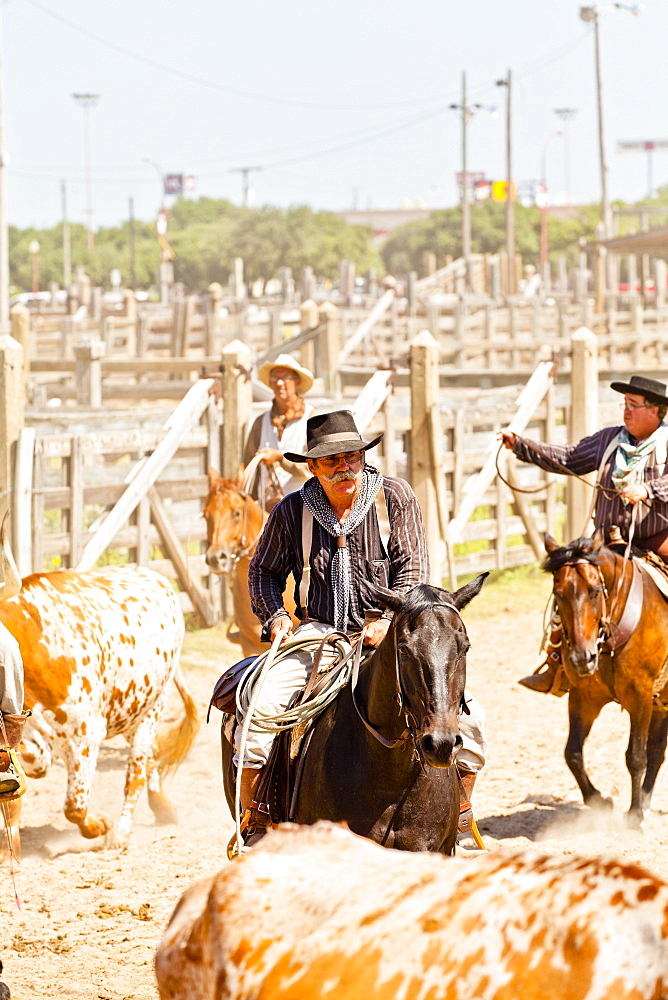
(173, 183)
(641, 145)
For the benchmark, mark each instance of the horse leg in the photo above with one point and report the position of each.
(656, 752)
(636, 762)
(582, 713)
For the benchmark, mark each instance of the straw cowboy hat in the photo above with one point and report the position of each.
(639, 385)
(287, 361)
(331, 434)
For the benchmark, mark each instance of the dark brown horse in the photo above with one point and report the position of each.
(234, 522)
(614, 648)
(410, 691)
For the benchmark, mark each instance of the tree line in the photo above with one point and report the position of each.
(207, 234)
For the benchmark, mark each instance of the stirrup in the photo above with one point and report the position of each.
(16, 772)
(233, 849)
(468, 826)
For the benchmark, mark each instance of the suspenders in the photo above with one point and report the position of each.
(307, 536)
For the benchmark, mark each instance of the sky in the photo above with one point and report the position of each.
(341, 104)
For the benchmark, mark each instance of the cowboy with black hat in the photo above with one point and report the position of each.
(633, 475)
(281, 428)
(341, 511)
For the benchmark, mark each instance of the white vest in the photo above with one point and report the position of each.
(293, 439)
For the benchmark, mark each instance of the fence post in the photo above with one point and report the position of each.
(424, 392)
(584, 421)
(88, 372)
(237, 403)
(130, 310)
(329, 347)
(310, 319)
(20, 317)
(12, 411)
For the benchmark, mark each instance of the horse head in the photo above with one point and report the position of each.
(430, 645)
(233, 523)
(581, 596)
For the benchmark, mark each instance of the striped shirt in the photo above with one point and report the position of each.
(586, 456)
(279, 553)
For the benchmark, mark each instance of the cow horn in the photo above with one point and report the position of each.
(11, 578)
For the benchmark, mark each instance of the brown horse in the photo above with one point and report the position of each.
(614, 648)
(234, 522)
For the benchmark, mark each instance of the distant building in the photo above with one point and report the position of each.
(384, 221)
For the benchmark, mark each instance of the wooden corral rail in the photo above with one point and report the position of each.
(73, 482)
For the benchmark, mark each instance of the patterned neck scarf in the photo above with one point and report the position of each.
(316, 500)
(631, 459)
(295, 411)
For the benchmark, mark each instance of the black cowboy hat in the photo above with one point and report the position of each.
(331, 434)
(639, 385)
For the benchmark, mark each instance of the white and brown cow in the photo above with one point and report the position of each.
(316, 913)
(99, 651)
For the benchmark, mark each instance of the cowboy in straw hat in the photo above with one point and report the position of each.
(281, 428)
(345, 502)
(632, 471)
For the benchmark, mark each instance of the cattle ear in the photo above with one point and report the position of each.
(466, 593)
(550, 543)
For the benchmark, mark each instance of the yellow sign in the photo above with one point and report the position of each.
(500, 191)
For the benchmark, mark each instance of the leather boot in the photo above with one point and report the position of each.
(259, 818)
(550, 677)
(12, 777)
(466, 783)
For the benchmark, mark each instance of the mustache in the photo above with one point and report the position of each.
(341, 476)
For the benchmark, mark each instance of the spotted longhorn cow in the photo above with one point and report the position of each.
(318, 912)
(99, 651)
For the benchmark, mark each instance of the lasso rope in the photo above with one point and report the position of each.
(250, 688)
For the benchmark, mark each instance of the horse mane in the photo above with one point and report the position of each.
(226, 484)
(584, 549)
(420, 598)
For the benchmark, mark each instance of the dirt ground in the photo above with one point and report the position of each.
(90, 920)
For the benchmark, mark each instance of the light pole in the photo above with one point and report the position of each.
(510, 201)
(565, 115)
(590, 15)
(546, 202)
(33, 250)
(166, 270)
(245, 172)
(467, 112)
(88, 101)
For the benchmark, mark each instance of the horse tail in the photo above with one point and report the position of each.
(173, 744)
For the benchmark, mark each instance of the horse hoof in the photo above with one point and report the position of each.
(634, 820)
(600, 803)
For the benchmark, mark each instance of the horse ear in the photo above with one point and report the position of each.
(240, 476)
(385, 599)
(214, 476)
(598, 540)
(550, 543)
(466, 593)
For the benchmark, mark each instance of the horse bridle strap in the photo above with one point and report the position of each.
(390, 744)
(630, 615)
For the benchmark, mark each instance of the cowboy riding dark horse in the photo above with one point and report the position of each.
(632, 497)
(328, 535)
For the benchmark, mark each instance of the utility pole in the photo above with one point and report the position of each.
(467, 112)
(510, 200)
(67, 252)
(88, 101)
(133, 249)
(245, 171)
(4, 240)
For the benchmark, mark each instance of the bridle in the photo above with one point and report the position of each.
(411, 730)
(243, 548)
(613, 634)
